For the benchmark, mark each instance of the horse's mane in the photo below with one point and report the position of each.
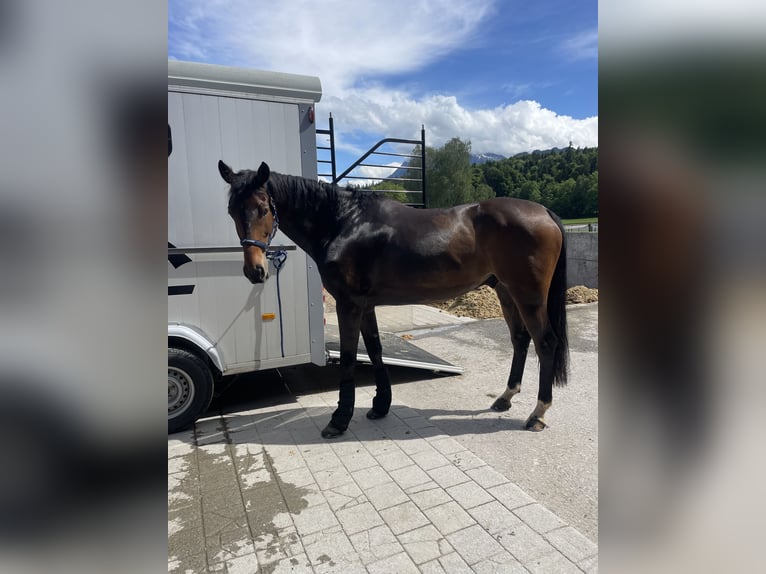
(320, 196)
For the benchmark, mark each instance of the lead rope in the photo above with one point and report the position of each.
(278, 258)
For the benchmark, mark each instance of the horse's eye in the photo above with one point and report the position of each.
(262, 211)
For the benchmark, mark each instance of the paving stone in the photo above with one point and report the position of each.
(375, 544)
(555, 563)
(510, 495)
(291, 565)
(359, 517)
(429, 498)
(447, 476)
(572, 544)
(228, 545)
(298, 477)
(403, 517)
(424, 544)
(429, 458)
(447, 445)
(378, 448)
(394, 459)
(590, 565)
(327, 479)
(486, 476)
(216, 450)
(317, 460)
(404, 412)
(344, 496)
(185, 542)
(369, 477)
(222, 498)
(432, 567)
(524, 543)
(414, 445)
(429, 485)
(186, 517)
(400, 432)
(181, 465)
(409, 476)
(189, 565)
(358, 461)
(242, 565)
(469, 494)
(495, 518)
(449, 517)
(431, 433)
(386, 495)
(330, 550)
(400, 563)
(224, 519)
(454, 564)
(180, 447)
(474, 544)
(418, 423)
(314, 519)
(502, 563)
(539, 518)
(465, 460)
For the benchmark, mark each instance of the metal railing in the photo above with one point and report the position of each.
(375, 151)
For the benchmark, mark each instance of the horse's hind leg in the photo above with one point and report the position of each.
(520, 339)
(349, 319)
(382, 401)
(536, 319)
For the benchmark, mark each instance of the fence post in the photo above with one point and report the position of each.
(423, 162)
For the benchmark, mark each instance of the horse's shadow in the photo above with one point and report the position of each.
(265, 409)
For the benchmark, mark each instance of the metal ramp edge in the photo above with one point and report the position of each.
(396, 352)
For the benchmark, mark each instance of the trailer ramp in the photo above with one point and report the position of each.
(396, 352)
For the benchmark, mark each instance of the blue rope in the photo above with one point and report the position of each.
(278, 258)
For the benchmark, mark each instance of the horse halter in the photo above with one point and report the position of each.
(265, 245)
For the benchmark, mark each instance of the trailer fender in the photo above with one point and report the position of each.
(199, 340)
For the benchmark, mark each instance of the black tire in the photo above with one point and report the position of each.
(190, 388)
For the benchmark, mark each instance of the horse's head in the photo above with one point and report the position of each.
(252, 209)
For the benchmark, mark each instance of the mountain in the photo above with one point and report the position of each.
(479, 158)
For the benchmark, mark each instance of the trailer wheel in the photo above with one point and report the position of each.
(190, 388)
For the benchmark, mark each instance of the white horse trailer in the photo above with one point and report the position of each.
(218, 323)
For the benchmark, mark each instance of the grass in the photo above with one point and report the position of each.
(580, 221)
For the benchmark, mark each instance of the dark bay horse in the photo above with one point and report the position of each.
(371, 250)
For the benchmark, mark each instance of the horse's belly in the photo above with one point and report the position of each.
(423, 288)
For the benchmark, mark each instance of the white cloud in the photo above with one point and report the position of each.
(354, 46)
(510, 129)
(582, 46)
(341, 42)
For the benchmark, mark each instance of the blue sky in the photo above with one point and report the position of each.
(509, 76)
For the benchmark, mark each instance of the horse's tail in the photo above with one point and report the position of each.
(557, 314)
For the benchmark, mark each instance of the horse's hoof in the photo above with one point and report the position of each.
(373, 415)
(535, 424)
(501, 404)
(331, 431)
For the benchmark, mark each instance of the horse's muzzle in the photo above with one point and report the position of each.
(255, 274)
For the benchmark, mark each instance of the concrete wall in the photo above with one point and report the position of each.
(582, 259)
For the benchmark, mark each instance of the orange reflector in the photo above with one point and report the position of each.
(268, 316)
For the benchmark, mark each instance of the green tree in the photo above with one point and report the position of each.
(448, 174)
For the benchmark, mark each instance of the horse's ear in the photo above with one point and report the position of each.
(263, 174)
(225, 171)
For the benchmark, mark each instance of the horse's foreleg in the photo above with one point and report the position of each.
(520, 340)
(349, 319)
(382, 401)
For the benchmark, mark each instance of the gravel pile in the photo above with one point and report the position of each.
(482, 303)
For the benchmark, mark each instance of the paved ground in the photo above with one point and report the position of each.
(441, 485)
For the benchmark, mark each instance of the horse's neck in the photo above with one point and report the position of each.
(307, 220)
